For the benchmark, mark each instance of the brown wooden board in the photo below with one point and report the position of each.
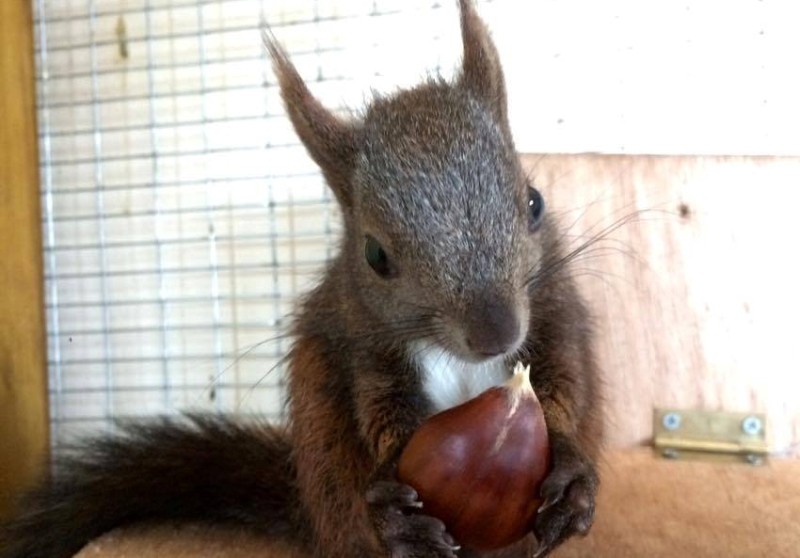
(696, 292)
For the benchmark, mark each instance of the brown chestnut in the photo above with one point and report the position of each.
(479, 466)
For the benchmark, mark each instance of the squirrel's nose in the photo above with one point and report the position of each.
(492, 326)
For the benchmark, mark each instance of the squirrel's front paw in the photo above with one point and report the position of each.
(404, 532)
(569, 497)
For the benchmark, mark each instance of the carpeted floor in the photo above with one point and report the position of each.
(648, 508)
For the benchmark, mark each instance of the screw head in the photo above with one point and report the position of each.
(752, 425)
(671, 421)
(753, 459)
(670, 453)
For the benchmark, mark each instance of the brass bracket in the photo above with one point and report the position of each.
(711, 435)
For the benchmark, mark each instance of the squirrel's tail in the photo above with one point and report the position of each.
(198, 469)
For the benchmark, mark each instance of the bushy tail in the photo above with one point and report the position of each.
(197, 469)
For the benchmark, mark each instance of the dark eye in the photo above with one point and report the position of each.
(535, 209)
(377, 258)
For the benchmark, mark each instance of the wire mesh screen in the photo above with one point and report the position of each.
(181, 216)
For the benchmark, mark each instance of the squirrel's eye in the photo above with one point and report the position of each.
(535, 209)
(377, 258)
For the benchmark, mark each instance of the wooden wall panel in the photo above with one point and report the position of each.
(696, 293)
(23, 395)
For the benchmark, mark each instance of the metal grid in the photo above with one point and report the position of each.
(181, 217)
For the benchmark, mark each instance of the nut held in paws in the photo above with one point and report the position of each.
(479, 466)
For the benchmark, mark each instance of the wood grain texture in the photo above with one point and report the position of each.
(23, 394)
(186, 541)
(696, 291)
(647, 508)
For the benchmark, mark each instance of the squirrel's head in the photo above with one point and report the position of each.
(442, 226)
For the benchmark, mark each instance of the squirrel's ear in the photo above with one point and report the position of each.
(331, 141)
(481, 71)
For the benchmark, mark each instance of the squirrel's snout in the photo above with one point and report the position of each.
(493, 327)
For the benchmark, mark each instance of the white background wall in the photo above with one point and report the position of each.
(645, 76)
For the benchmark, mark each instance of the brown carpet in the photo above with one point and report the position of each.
(648, 508)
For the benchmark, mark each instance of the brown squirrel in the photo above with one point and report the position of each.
(448, 272)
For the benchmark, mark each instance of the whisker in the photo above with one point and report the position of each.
(252, 388)
(531, 174)
(602, 276)
(603, 252)
(247, 352)
(420, 328)
(549, 268)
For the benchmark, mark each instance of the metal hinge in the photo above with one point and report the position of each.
(711, 435)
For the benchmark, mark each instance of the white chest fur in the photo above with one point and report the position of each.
(449, 381)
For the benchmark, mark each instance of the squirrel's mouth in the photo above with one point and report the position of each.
(488, 347)
(487, 330)
(490, 333)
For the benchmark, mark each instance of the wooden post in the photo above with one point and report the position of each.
(23, 359)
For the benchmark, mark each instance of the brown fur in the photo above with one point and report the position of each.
(360, 399)
(432, 176)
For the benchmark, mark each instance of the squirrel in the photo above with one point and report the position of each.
(449, 270)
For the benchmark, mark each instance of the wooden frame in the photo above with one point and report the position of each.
(23, 355)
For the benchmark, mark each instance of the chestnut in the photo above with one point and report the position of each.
(479, 466)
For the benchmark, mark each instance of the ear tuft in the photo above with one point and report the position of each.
(481, 73)
(331, 141)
